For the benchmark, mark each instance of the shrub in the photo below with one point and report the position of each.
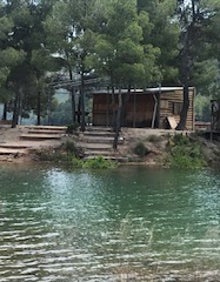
(185, 153)
(141, 150)
(70, 148)
(50, 155)
(99, 163)
(77, 163)
(72, 128)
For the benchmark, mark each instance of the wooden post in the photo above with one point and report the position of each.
(212, 121)
(158, 106)
(4, 116)
(107, 109)
(118, 120)
(134, 111)
(73, 104)
(38, 107)
(155, 111)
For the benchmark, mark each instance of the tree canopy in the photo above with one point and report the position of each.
(136, 43)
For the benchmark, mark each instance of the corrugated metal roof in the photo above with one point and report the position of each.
(141, 91)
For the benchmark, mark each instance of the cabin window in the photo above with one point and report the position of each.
(176, 108)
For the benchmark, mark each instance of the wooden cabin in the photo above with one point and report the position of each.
(150, 108)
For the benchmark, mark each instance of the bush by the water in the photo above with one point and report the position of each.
(99, 163)
(94, 163)
(70, 148)
(51, 155)
(185, 153)
(64, 153)
(71, 155)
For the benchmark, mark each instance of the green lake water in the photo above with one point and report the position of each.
(60, 225)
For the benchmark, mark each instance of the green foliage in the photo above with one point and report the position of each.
(99, 163)
(135, 43)
(23, 58)
(185, 153)
(51, 155)
(6, 26)
(76, 163)
(141, 150)
(62, 114)
(203, 108)
(70, 147)
(72, 128)
(119, 51)
(206, 78)
(95, 163)
(11, 57)
(162, 32)
(64, 154)
(70, 155)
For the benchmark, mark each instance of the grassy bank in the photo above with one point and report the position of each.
(72, 156)
(177, 151)
(185, 152)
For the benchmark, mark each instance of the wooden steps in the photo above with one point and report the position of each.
(15, 145)
(39, 133)
(99, 133)
(45, 127)
(95, 146)
(12, 151)
(45, 131)
(98, 141)
(30, 139)
(99, 151)
(40, 137)
(100, 129)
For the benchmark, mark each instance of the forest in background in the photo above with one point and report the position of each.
(81, 44)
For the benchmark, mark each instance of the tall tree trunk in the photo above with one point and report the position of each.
(4, 116)
(79, 111)
(20, 109)
(73, 105)
(120, 112)
(48, 107)
(185, 75)
(15, 110)
(183, 115)
(82, 95)
(114, 111)
(38, 107)
(118, 121)
(186, 55)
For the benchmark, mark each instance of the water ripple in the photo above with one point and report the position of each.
(77, 226)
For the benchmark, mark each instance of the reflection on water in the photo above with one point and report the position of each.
(98, 226)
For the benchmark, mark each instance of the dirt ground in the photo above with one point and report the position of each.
(155, 140)
(10, 137)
